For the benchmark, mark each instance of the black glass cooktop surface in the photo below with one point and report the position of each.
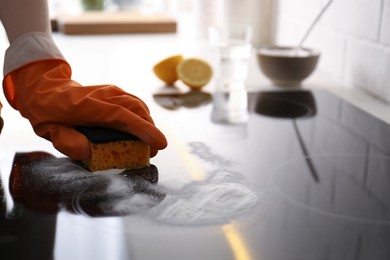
(306, 177)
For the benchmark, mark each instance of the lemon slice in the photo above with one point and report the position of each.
(166, 69)
(194, 72)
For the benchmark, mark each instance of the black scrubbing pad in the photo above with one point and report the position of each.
(99, 135)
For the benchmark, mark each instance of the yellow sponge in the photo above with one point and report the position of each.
(118, 155)
(111, 149)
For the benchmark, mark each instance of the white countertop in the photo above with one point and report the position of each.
(127, 61)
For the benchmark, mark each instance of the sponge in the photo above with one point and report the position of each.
(112, 149)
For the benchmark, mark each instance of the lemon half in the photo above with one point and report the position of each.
(166, 69)
(194, 72)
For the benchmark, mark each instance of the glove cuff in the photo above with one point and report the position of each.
(28, 48)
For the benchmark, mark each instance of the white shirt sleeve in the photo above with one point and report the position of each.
(28, 48)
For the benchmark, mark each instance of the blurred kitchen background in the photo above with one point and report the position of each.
(353, 35)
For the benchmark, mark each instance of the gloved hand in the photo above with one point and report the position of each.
(43, 92)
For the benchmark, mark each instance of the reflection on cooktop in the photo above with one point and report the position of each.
(349, 187)
(292, 105)
(329, 184)
(46, 183)
(171, 98)
(286, 104)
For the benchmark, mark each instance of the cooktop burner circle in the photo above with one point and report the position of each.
(346, 186)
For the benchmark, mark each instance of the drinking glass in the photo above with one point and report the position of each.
(232, 45)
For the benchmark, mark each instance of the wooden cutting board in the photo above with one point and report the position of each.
(114, 23)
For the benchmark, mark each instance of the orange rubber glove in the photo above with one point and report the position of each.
(44, 93)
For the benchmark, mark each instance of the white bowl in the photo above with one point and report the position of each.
(287, 66)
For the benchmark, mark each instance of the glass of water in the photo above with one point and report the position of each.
(232, 45)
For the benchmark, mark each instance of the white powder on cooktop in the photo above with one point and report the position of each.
(219, 198)
(206, 203)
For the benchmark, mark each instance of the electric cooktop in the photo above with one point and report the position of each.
(306, 177)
